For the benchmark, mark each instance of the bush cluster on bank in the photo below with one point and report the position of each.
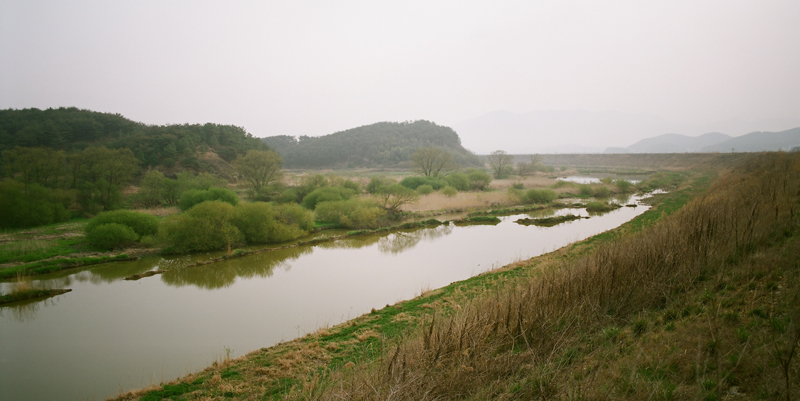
(118, 228)
(215, 225)
(352, 213)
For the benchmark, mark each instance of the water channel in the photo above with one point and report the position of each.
(110, 335)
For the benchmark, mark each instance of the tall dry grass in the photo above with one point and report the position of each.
(462, 201)
(21, 285)
(528, 326)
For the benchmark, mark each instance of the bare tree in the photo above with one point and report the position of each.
(259, 168)
(432, 161)
(392, 197)
(524, 169)
(500, 162)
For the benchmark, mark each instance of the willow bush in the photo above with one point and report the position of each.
(217, 225)
(142, 224)
(111, 235)
(353, 213)
(327, 194)
(194, 196)
(261, 223)
(206, 226)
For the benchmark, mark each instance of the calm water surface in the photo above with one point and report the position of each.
(109, 335)
(595, 178)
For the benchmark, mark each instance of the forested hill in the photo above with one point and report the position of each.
(383, 144)
(73, 129)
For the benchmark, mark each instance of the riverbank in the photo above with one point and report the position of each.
(438, 344)
(77, 254)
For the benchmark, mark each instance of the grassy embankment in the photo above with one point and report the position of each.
(694, 301)
(48, 249)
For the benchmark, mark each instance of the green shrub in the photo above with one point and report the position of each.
(449, 191)
(459, 181)
(661, 180)
(377, 183)
(195, 196)
(353, 213)
(479, 180)
(623, 186)
(111, 235)
(292, 214)
(309, 183)
(142, 224)
(288, 196)
(326, 194)
(206, 226)
(602, 192)
(260, 224)
(539, 196)
(412, 182)
(416, 182)
(585, 190)
(424, 189)
(350, 184)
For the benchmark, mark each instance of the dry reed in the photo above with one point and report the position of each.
(533, 325)
(462, 201)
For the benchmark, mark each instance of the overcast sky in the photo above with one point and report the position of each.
(313, 68)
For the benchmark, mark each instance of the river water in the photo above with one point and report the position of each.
(110, 335)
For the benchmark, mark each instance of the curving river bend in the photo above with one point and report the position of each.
(110, 335)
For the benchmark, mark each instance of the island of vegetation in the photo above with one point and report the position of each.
(548, 221)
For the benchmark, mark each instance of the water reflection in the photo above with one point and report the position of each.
(544, 213)
(351, 243)
(595, 178)
(25, 311)
(622, 199)
(580, 179)
(402, 241)
(119, 270)
(223, 274)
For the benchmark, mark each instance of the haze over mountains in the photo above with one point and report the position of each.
(715, 142)
(579, 131)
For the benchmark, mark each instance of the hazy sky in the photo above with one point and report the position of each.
(313, 68)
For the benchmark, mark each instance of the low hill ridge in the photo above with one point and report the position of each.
(171, 147)
(383, 144)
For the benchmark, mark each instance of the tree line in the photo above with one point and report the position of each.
(73, 130)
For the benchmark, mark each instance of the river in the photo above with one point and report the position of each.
(110, 335)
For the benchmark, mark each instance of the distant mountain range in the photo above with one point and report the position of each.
(580, 131)
(715, 142)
